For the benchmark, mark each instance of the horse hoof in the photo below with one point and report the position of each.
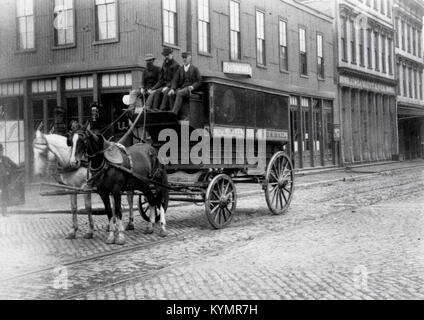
(88, 235)
(129, 227)
(148, 231)
(163, 233)
(120, 239)
(110, 239)
(71, 236)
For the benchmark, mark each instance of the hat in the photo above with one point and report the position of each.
(167, 51)
(149, 57)
(185, 54)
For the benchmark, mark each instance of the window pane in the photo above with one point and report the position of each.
(166, 5)
(20, 8)
(103, 30)
(29, 7)
(68, 4)
(69, 18)
(111, 12)
(173, 5)
(61, 36)
(101, 13)
(111, 30)
(283, 33)
(100, 1)
(70, 35)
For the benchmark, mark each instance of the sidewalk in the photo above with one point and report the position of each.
(304, 179)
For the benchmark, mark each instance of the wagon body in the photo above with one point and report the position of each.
(248, 134)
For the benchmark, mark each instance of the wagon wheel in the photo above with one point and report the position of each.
(144, 207)
(279, 186)
(220, 201)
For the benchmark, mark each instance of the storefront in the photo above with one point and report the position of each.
(12, 127)
(312, 132)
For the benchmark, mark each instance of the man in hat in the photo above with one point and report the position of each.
(167, 73)
(150, 76)
(6, 167)
(186, 80)
(59, 125)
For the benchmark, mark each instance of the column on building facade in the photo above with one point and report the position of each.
(387, 133)
(364, 125)
(356, 125)
(399, 34)
(406, 74)
(348, 38)
(400, 77)
(373, 126)
(380, 128)
(347, 124)
(394, 126)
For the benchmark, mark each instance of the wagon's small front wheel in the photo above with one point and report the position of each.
(279, 183)
(220, 201)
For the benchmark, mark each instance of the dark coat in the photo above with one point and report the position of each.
(167, 74)
(184, 79)
(6, 167)
(150, 77)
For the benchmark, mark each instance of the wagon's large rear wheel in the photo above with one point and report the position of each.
(220, 201)
(279, 183)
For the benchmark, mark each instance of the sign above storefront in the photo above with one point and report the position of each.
(366, 85)
(238, 68)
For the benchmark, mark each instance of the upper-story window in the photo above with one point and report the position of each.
(383, 54)
(405, 91)
(382, 7)
(415, 84)
(343, 39)
(361, 47)
(376, 56)
(389, 56)
(369, 52)
(302, 51)
(25, 24)
(283, 45)
(352, 42)
(368, 3)
(235, 53)
(106, 20)
(375, 5)
(402, 30)
(408, 35)
(397, 32)
(419, 43)
(204, 25)
(414, 42)
(260, 37)
(389, 8)
(170, 30)
(64, 31)
(320, 56)
(410, 81)
(420, 84)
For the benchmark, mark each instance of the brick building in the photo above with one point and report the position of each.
(69, 53)
(408, 22)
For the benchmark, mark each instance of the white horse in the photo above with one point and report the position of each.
(53, 149)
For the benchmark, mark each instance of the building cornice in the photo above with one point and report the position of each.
(366, 76)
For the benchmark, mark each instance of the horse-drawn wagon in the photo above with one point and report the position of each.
(225, 135)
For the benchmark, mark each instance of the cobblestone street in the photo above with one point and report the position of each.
(354, 234)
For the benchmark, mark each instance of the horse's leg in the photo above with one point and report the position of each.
(74, 208)
(87, 199)
(152, 217)
(119, 236)
(130, 225)
(162, 232)
(111, 230)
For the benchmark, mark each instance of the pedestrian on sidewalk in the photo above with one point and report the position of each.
(6, 167)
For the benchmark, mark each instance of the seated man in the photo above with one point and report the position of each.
(186, 80)
(150, 76)
(163, 86)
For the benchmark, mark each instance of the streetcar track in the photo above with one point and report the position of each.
(142, 274)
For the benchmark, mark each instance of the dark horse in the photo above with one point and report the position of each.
(111, 168)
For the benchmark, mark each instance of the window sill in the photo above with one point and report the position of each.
(67, 46)
(205, 54)
(173, 46)
(25, 51)
(261, 66)
(284, 71)
(304, 76)
(321, 79)
(108, 41)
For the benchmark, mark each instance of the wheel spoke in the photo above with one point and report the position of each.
(285, 199)
(273, 197)
(226, 188)
(281, 199)
(215, 194)
(289, 191)
(274, 176)
(214, 209)
(229, 213)
(230, 192)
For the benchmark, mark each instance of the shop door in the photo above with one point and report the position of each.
(112, 108)
(307, 144)
(43, 111)
(296, 132)
(78, 109)
(317, 130)
(327, 131)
